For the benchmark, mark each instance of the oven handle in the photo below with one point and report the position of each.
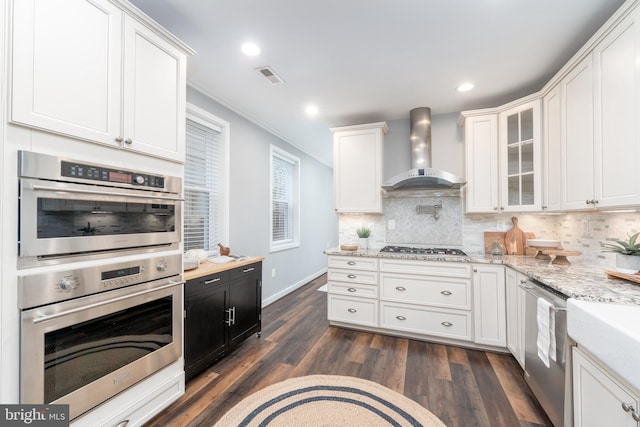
(103, 193)
(44, 318)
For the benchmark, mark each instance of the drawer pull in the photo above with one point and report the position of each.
(447, 324)
(352, 310)
(401, 318)
(447, 293)
(352, 276)
(352, 289)
(351, 263)
(248, 270)
(401, 288)
(208, 282)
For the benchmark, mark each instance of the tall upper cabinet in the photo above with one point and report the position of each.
(358, 167)
(502, 151)
(98, 71)
(601, 132)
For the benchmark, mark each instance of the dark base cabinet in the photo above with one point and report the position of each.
(221, 311)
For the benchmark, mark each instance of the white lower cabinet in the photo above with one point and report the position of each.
(515, 298)
(489, 311)
(428, 321)
(600, 399)
(358, 311)
(352, 284)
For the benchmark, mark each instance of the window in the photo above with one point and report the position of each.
(285, 223)
(205, 181)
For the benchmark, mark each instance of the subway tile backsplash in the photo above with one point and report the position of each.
(581, 231)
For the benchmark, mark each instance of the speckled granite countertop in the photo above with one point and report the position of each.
(577, 280)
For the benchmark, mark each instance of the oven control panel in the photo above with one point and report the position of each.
(46, 288)
(103, 174)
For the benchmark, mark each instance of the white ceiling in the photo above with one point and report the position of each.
(363, 61)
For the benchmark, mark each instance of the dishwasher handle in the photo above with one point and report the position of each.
(528, 288)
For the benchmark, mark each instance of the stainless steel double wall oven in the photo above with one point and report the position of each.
(91, 329)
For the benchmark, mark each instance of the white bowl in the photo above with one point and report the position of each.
(190, 263)
(541, 243)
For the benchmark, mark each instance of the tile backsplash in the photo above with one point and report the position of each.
(580, 231)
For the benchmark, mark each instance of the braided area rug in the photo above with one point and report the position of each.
(328, 400)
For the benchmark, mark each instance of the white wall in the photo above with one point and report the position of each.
(250, 203)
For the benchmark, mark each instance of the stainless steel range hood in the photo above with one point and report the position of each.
(422, 176)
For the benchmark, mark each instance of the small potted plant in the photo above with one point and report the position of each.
(627, 254)
(363, 235)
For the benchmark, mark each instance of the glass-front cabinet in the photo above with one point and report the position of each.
(520, 158)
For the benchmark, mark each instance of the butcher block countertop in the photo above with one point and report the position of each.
(207, 267)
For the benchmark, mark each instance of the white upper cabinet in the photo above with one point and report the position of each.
(502, 153)
(601, 135)
(481, 159)
(89, 70)
(551, 150)
(358, 167)
(520, 158)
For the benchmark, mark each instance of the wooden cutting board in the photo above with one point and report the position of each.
(490, 236)
(515, 239)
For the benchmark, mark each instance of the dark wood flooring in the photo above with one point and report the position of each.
(462, 387)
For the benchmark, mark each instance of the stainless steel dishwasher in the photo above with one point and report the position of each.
(551, 385)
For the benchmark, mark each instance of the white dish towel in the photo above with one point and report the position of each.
(546, 341)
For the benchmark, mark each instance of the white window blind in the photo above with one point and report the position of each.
(202, 189)
(284, 200)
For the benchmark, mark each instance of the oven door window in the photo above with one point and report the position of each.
(80, 354)
(76, 218)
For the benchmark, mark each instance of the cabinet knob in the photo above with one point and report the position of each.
(523, 282)
(128, 141)
(119, 139)
(352, 289)
(351, 263)
(495, 208)
(475, 270)
(352, 276)
(447, 293)
(352, 310)
(447, 324)
(627, 407)
(401, 288)
(401, 318)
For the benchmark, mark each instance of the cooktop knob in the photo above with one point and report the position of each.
(67, 284)
(161, 266)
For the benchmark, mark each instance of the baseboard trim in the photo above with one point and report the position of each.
(292, 288)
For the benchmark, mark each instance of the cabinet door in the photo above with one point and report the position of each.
(489, 305)
(551, 151)
(358, 170)
(245, 303)
(154, 94)
(617, 105)
(66, 67)
(481, 158)
(204, 325)
(597, 398)
(520, 178)
(578, 140)
(515, 298)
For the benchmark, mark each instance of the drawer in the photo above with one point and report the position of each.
(352, 276)
(353, 262)
(353, 310)
(246, 270)
(202, 284)
(416, 319)
(355, 290)
(430, 290)
(447, 269)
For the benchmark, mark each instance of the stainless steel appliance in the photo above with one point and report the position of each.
(71, 210)
(90, 333)
(444, 254)
(550, 385)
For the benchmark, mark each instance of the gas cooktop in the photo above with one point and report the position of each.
(422, 251)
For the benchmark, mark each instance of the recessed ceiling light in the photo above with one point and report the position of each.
(311, 110)
(464, 87)
(250, 49)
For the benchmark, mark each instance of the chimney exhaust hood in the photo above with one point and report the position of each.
(422, 176)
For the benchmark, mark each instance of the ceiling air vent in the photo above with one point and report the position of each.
(270, 75)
